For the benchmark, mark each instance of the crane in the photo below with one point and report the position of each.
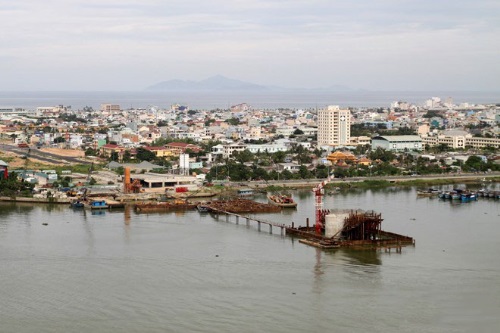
(87, 182)
(318, 194)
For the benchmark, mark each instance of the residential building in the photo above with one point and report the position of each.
(334, 126)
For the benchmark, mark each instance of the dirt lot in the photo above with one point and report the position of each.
(64, 152)
(16, 162)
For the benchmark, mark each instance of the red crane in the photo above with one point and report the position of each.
(318, 193)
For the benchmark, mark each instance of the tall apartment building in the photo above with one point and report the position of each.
(334, 126)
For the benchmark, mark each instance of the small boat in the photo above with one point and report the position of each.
(455, 195)
(468, 196)
(281, 200)
(203, 208)
(427, 193)
(245, 192)
(77, 204)
(96, 204)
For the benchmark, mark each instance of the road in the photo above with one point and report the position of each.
(43, 156)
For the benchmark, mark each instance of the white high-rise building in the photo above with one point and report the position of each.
(334, 126)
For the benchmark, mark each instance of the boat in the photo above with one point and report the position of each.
(164, 206)
(77, 204)
(468, 196)
(96, 204)
(245, 192)
(455, 195)
(203, 208)
(427, 193)
(281, 200)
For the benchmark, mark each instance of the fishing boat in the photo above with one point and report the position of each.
(468, 196)
(164, 206)
(281, 200)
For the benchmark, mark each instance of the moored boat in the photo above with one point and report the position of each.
(77, 204)
(428, 193)
(96, 204)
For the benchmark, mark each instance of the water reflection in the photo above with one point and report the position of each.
(9, 208)
(361, 257)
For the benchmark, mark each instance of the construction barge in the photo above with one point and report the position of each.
(349, 229)
(239, 206)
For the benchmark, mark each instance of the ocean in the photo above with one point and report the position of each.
(223, 100)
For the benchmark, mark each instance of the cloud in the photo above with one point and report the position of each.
(367, 44)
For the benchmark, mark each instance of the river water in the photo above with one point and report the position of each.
(124, 272)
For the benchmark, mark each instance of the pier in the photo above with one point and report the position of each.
(282, 227)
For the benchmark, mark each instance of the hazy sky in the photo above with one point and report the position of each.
(368, 44)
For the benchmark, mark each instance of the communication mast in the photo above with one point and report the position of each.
(318, 194)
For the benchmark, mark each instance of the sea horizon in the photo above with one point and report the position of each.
(295, 98)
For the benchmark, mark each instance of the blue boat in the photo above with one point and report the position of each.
(468, 197)
(96, 204)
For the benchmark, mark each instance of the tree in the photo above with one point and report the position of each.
(59, 139)
(304, 173)
(145, 155)
(233, 121)
(298, 132)
(127, 156)
(474, 163)
(279, 157)
(114, 156)
(91, 152)
(243, 156)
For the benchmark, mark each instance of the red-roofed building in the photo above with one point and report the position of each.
(181, 147)
(109, 148)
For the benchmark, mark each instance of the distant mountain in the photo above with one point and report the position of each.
(221, 83)
(214, 83)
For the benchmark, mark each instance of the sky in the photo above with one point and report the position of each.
(111, 45)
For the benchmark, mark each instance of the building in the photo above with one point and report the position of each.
(110, 108)
(397, 142)
(460, 140)
(12, 111)
(4, 170)
(334, 126)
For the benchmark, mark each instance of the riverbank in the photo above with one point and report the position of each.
(367, 182)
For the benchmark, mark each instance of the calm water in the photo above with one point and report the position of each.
(212, 100)
(123, 272)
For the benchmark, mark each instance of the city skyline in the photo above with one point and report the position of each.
(129, 45)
